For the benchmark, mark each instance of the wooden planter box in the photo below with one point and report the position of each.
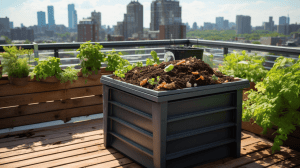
(176, 128)
(39, 102)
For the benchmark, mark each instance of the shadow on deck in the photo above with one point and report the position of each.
(81, 145)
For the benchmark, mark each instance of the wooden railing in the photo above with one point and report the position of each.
(40, 102)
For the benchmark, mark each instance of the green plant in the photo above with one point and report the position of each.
(91, 58)
(152, 80)
(113, 59)
(140, 51)
(154, 60)
(256, 42)
(27, 42)
(244, 66)
(46, 68)
(277, 100)
(13, 64)
(214, 77)
(169, 68)
(124, 66)
(69, 74)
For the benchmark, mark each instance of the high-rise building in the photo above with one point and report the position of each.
(195, 26)
(11, 25)
(96, 17)
(133, 21)
(288, 20)
(282, 20)
(4, 24)
(41, 17)
(22, 25)
(88, 30)
(51, 20)
(166, 17)
(220, 22)
(243, 24)
(72, 16)
(207, 26)
(269, 25)
(164, 12)
(226, 24)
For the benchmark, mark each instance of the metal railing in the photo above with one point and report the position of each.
(159, 45)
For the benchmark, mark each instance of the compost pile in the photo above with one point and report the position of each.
(190, 72)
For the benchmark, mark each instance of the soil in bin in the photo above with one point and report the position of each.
(179, 76)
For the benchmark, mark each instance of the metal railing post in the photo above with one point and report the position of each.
(225, 51)
(56, 52)
(35, 51)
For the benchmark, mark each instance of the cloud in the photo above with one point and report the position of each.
(259, 2)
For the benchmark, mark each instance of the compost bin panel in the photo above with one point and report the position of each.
(132, 135)
(200, 122)
(198, 140)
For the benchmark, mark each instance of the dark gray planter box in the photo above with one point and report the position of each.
(177, 128)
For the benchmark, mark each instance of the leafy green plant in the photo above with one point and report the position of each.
(13, 64)
(169, 68)
(113, 59)
(124, 66)
(69, 74)
(154, 60)
(214, 77)
(152, 80)
(91, 58)
(244, 66)
(46, 68)
(277, 100)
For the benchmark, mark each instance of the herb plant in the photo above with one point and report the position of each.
(214, 77)
(244, 66)
(151, 81)
(277, 100)
(154, 60)
(113, 59)
(13, 64)
(69, 74)
(46, 68)
(124, 66)
(91, 58)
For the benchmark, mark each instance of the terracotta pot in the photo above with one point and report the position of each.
(18, 81)
(51, 79)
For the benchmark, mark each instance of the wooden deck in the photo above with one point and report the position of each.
(81, 145)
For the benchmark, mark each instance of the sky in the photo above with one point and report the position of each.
(112, 11)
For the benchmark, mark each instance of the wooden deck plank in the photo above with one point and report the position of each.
(91, 159)
(56, 152)
(53, 144)
(50, 137)
(130, 165)
(249, 141)
(245, 136)
(112, 163)
(291, 162)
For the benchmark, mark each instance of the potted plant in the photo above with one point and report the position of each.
(16, 68)
(47, 70)
(168, 114)
(277, 100)
(112, 60)
(91, 58)
(69, 74)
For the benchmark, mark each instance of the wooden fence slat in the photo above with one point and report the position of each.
(49, 106)
(48, 96)
(64, 115)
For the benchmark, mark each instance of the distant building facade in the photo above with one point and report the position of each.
(41, 17)
(276, 41)
(269, 25)
(72, 16)
(96, 17)
(195, 26)
(282, 20)
(22, 34)
(4, 24)
(11, 25)
(283, 29)
(51, 20)
(88, 30)
(226, 24)
(220, 23)
(243, 24)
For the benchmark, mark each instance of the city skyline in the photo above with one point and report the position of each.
(192, 10)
